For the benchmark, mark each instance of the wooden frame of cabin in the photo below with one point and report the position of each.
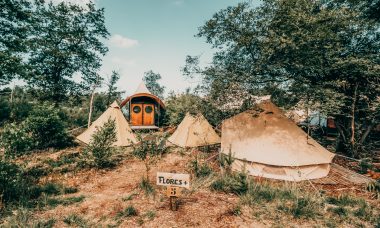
(144, 110)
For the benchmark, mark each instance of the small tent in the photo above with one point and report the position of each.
(194, 131)
(124, 134)
(266, 143)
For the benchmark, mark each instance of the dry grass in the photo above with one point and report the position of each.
(108, 194)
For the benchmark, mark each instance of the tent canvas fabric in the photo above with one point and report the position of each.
(124, 134)
(194, 131)
(266, 143)
(142, 89)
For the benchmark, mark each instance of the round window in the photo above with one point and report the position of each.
(136, 109)
(148, 109)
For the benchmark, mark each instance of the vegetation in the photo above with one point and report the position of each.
(334, 72)
(151, 80)
(100, 150)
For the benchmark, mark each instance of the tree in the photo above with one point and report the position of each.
(151, 80)
(67, 40)
(15, 23)
(112, 92)
(323, 53)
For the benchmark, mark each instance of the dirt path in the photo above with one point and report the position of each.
(106, 195)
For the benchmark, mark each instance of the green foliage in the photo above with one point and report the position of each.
(302, 208)
(100, 149)
(200, 170)
(236, 183)
(47, 129)
(24, 218)
(130, 211)
(151, 80)
(52, 202)
(15, 20)
(332, 72)
(75, 220)
(13, 185)
(148, 149)
(112, 93)
(226, 161)
(177, 105)
(15, 140)
(74, 46)
(150, 215)
(365, 164)
(146, 186)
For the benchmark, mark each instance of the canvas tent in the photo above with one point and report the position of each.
(124, 134)
(194, 131)
(266, 143)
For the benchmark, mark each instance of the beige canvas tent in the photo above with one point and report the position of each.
(194, 131)
(266, 143)
(124, 134)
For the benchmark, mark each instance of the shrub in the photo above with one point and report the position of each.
(15, 140)
(200, 170)
(47, 129)
(146, 186)
(365, 164)
(100, 148)
(128, 212)
(148, 150)
(75, 220)
(226, 161)
(234, 183)
(13, 185)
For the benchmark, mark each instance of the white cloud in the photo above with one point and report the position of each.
(123, 42)
(76, 2)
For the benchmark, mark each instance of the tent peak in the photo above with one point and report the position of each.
(142, 88)
(114, 105)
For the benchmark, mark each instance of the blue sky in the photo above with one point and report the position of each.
(155, 35)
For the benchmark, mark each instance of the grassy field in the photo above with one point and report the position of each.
(74, 195)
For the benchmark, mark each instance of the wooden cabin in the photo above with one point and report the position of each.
(145, 109)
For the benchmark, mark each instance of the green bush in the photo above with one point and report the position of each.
(100, 149)
(148, 150)
(200, 170)
(13, 185)
(15, 140)
(128, 212)
(47, 129)
(234, 183)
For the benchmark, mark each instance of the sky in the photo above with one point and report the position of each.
(155, 35)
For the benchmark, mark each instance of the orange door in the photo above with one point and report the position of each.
(148, 115)
(137, 114)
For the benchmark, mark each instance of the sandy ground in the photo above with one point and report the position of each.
(104, 192)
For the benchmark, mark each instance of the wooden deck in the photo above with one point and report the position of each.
(148, 127)
(342, 176)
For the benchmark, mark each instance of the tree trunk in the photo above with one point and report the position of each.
(367, 131)
(353, 107)
(90, 112)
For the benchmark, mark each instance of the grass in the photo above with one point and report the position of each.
(76, 220)
(146, 186)
(150, 215)
(129, 211)
(129, 197)
(53, 202)
(281, 202)
(23, 218)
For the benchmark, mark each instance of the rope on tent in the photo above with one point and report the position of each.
(348, 157)
(77, 128)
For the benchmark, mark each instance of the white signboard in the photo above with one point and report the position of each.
(173, 179)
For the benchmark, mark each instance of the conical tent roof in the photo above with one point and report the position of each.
(124, 134)
(194, 131)
(142, 88)
(266, 138)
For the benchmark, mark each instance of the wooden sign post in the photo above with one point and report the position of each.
(174, 182)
